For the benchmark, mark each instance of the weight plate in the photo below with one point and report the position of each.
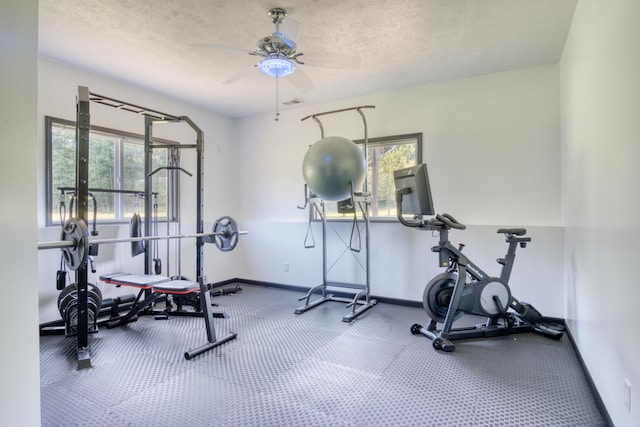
(225, 233)
(75, 230)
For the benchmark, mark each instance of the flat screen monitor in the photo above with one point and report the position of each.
(417, 201)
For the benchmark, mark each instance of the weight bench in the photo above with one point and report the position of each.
(140, 281)
(179, 288)
(156, 286)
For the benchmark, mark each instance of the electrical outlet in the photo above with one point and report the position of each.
(285, 266)
(627, 395)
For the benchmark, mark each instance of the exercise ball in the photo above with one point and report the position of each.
(330, 165)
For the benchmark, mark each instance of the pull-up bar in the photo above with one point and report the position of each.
(126, 106)
(337, 111)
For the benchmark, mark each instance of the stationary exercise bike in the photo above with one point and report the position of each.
(464, 287)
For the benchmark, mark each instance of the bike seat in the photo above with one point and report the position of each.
(513, 231)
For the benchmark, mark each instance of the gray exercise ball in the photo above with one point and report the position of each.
(330, 164)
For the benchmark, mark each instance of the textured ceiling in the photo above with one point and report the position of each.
(387, 44)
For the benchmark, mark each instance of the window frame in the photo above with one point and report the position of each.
(51, 121)
(372, 142)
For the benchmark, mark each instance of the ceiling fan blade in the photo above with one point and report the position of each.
(300, 80)
(241, 75)
(332, 61)
(288, 30)
(218, 47)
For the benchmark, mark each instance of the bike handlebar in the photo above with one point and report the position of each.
(450, 221)
(441, 220)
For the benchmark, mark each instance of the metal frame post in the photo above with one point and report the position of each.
(365, 211)
(148, 190)
(82, 189)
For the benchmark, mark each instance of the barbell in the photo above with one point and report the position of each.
(74, 239)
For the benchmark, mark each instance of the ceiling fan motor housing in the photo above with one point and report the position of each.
(275, 45)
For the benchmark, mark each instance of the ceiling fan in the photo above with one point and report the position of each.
(280, 56)
(278, 50)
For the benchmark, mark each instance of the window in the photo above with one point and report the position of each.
(116, 172)
(386, 154)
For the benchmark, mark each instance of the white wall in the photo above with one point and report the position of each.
(58, 89)
(600, 81)
(492, 144)
(19, 361)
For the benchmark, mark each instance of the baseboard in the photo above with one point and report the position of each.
(386, 300)
(226, 282)
(592, 386)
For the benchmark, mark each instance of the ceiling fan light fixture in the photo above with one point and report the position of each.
(276, 66)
